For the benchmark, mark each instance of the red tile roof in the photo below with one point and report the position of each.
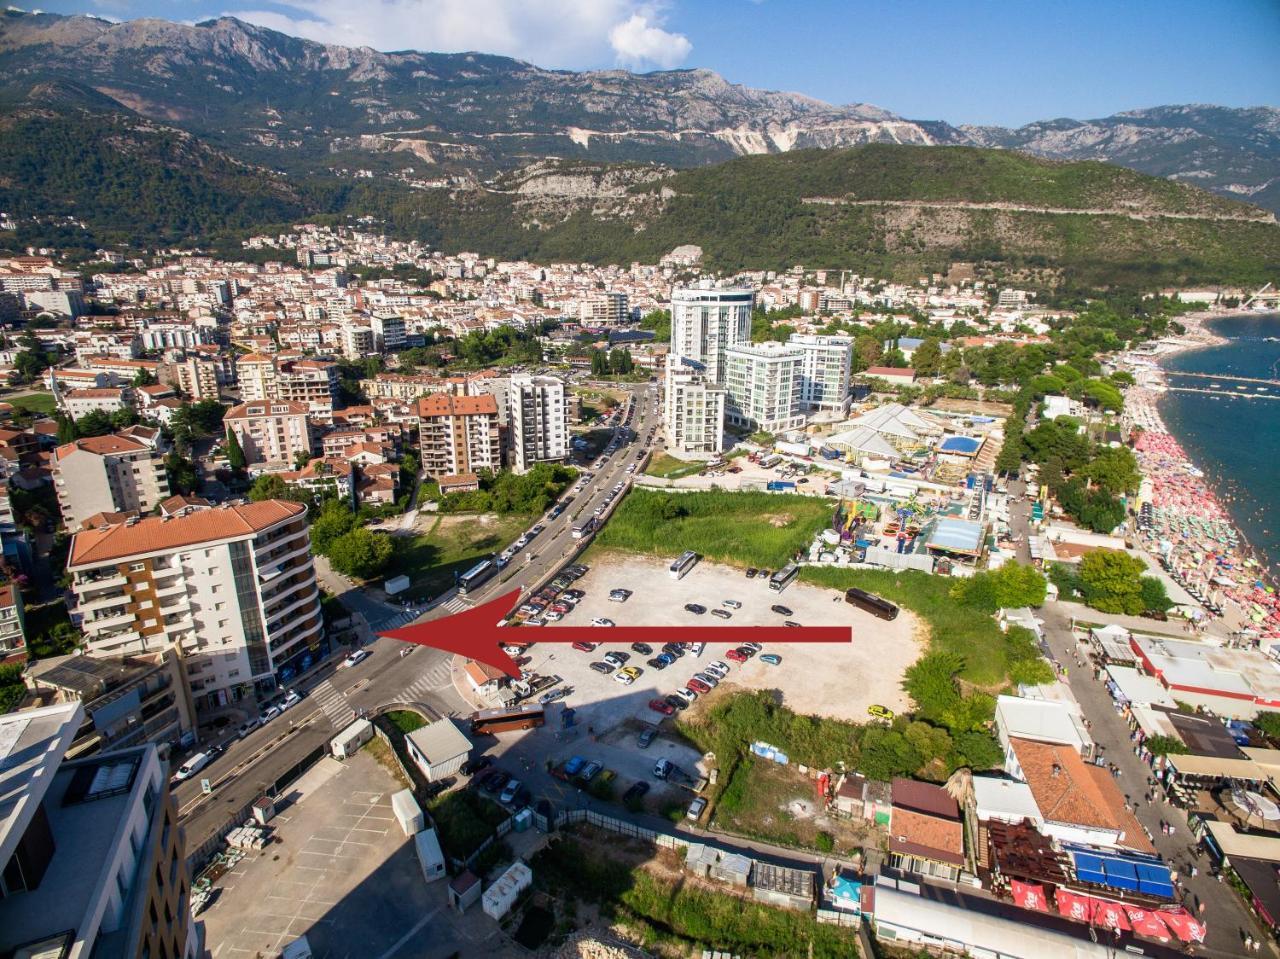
(446, 404)
(159, 534)
(107, 445)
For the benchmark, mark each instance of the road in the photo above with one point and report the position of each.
(334, 695)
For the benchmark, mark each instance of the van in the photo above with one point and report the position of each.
(191, 767)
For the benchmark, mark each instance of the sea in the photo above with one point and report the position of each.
(1235, 441)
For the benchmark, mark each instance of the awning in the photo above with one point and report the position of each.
(1147, 923)
(1184, 925)
(1030, 895)
(1216, 767)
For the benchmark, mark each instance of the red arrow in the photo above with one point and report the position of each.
(478, 634)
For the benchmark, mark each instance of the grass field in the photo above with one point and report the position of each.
(405, 720)
(34, 402)
(464, 819)
(452, 543)
(953, 628)
(776, 803)
(756, 529)
(671, 468)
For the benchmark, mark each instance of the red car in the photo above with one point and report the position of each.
(698, 686)
(661, 706)
(736, 656)
(584, 647)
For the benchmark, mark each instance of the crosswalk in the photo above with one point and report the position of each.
(394, 621)
(333, 704)
(437, 677)
(456, 605)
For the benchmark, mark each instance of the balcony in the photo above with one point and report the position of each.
(113, 580)
(88, 604)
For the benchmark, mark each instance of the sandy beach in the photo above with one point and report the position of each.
(1182, 522)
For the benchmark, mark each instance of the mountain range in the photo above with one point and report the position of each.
(294, 104)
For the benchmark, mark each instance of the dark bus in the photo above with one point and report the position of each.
(508, 717)
(871, 603)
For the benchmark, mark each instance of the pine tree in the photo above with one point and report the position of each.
(235, 453)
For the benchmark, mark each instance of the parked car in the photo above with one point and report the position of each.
(880, 712)
(572, 595)
(695, 608)
(674, 650)
(619, 595)
(646, 736)
(479, 764)
(270, 713)
(661, 706)
(291, 699)
(721, 614)
(792, 623)
(752, 572)
(754, 647)
(547, 698)
(675, 702)
(636, 792)
(590, 771)
(732, 604)
(602, 668)
(616, 660)
(696, 809)
(191, 766)
(658, 663)
(248, 726)
(773, 659)
(720, 669)
(574, 765)
(662, 768)
(698, 685)
(509, 791)
(602, 621)
(686, 695)
(708, 678)
(584, 647)
(643, 649)
(494, 781)
(628, 675)
(781, 610)
(355, 658)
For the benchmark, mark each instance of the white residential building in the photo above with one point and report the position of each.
(705, 323)
(234, 586)
(107, 474)
(694, 409)
(357, 342)
(605, 308)
(270, 432)
(388, 331)
(824, 376)
(763, 382)
(539, 421)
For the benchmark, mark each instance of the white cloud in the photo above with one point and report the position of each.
(550, 33)
(637, 42)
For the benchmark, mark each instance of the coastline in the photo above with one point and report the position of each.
(1183, 524)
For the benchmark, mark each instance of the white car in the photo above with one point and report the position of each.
(721, 669)
(552, 616)
(291, 700)
(602, 621)
(355, 658)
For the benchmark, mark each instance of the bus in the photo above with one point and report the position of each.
(506, 718)
(871, 603)
(770, 461)
(688, 559)
(476, 576)
(585, 529)
(784, 577)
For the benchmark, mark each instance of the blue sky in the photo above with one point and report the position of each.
(967, 61)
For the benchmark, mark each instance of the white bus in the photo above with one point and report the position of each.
(476, 576)
(783, 577)
(688, 559)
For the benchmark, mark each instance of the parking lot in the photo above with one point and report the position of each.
(344, 874)
(815, 679)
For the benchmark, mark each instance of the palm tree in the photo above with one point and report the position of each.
(959, 786)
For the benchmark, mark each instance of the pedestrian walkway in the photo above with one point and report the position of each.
(456, 605)
(394, 620)
(333, 704)
(437, 677)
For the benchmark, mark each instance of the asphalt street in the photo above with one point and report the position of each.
(333, 695)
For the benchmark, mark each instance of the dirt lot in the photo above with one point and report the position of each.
(751, 474)
(819, 679)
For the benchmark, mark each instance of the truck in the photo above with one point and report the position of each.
(505, 718)
(780, 486)
(770, 461)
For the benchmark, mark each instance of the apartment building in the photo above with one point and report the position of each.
(357, 342)
(705, 323)
(763, 384)
(388, 331)
(694, 409)
(538, 421)
(458, 434)
(128, 700)
(405, 387)
(605, 308)
(313, 382)
(106, 399)
(94, 858)
(271, 432)
(195, 376)
(13, 625)
(233, 586)
(825, 373)
(107, 474)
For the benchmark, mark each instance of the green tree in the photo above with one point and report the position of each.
(867, 350)
(1115, 469)
(268, 486)
(94, 423)
(1269, 724)
(1154, 596)
(66, 429)
(927, 359)
(659, 321)
(1112, 581)
(30, 364)
(599, 363)
(235, 453)
(1165, 746)
(362, 553)
(332, 522)
(301, 459)
(143, 377)
(183, 478)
